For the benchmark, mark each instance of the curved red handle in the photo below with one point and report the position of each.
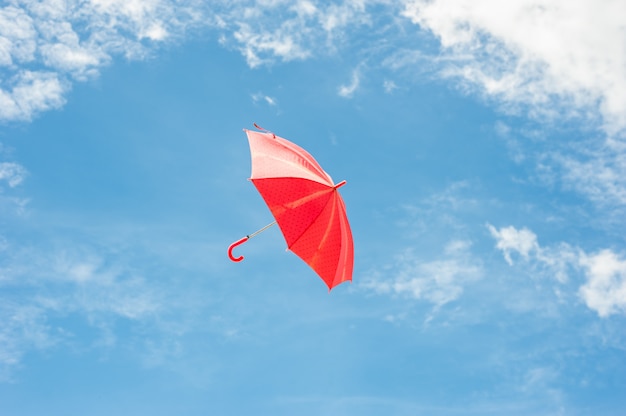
(233, 245)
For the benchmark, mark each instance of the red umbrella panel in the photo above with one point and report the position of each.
(306, 204)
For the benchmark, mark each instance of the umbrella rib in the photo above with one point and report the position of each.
(344, 249)
(305, 156)
(329, 224)
(307, 198)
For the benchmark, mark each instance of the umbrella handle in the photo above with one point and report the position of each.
(235, 244)
(243, 240)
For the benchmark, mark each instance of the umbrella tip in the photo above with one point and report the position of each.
(263, 130)
(340, 184)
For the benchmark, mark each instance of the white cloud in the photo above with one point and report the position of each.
(389, 86)
(264, 31)
(553, 262)
(281, 42)
(348, 90)
(547, 54)
(12, 172)
(514, 146)
(44, 44)
(63, 51)
(17, 36)
(605, 289)
(31, 93)
(605, 272)
(436, 281)
(260, 97)
(343, 14)
(22, 328)
(594, 168)
(598, 173)
(509, 240)
(290, 30)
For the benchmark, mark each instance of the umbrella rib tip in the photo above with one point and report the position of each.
(340, 184)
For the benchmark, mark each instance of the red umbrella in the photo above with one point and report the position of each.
(306, 205)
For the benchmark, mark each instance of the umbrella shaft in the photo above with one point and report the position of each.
(261, 230)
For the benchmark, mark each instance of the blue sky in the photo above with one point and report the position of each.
(484, 145)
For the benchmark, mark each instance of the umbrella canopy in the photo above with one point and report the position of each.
(306, 204)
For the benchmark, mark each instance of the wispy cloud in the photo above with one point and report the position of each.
(22, 328)
(45, 45)
(587, 173)
(549, 262)
(389, 86)
(598, 171)
(290, 30)
(438, 281)
(348, 90)
(41, 289)
(604, 272)
(281, 42)
(261, 97)
(11, 172)
(593, 168)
